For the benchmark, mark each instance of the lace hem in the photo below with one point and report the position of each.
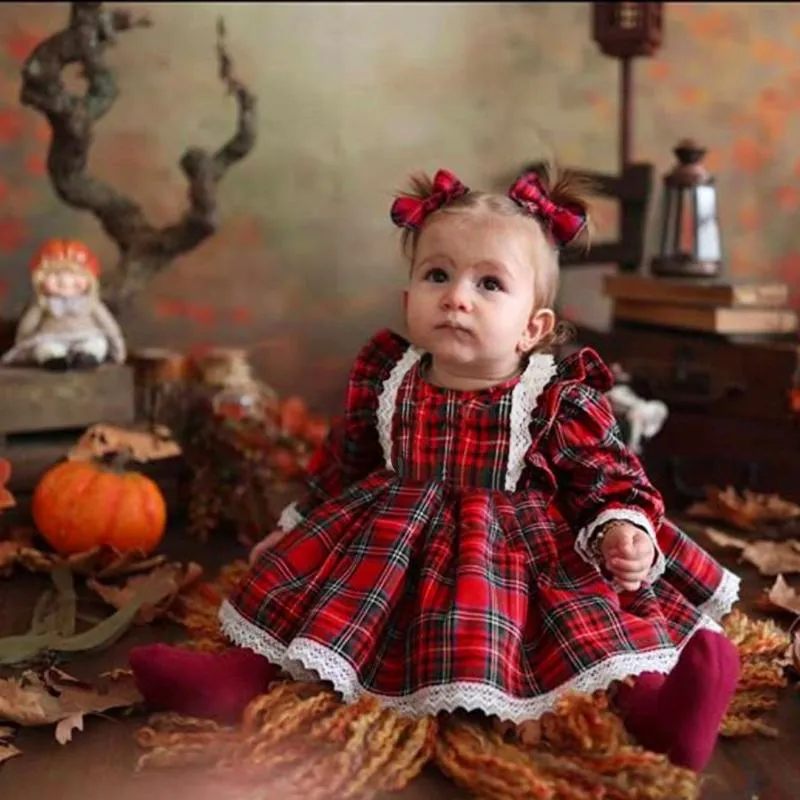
(524, 397)
(635, 517)
(305, 659)
(388, 399)
(290, 518)
(720, 603)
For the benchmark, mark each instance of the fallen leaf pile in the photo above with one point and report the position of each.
(18, 548)
(748, 511)
(56, 698)
(53, 628)
(298, 740)
(167, 581)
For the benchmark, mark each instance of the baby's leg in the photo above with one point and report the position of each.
(214, 685)
(680, 714)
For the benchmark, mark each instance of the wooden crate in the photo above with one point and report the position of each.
(42, 413)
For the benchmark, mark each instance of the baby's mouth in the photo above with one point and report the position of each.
(453, 326)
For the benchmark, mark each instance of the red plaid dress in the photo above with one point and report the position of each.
(442, 556)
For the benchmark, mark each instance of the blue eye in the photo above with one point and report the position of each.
(491, 284)
(436, 275)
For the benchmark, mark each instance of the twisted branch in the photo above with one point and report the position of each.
(145, 250)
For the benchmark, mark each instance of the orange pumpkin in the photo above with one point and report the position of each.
(79, 505)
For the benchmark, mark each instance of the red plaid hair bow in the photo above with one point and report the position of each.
(563, 222)
(410, 212)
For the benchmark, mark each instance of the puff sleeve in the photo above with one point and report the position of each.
(352, 449)
(600, 479)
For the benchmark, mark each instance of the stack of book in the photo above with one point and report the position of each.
(723, 307)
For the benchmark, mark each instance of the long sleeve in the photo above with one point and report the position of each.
(352, 449)
(599, 478)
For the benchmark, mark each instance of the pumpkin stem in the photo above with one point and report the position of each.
(117, 460)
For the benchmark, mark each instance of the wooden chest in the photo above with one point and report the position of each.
(43, 413)
(731, 420)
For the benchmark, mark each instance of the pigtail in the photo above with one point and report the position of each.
(563, 333)
(420, 188)
(426, 196)
(571, 190)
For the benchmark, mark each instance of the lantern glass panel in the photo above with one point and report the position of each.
(707, 238)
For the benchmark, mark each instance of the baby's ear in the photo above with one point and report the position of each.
(540, 325)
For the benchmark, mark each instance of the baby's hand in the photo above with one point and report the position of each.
(270, 540)
(628, 554)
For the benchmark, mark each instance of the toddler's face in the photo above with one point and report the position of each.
(471, 296)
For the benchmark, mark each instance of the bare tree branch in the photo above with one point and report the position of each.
(145, 250)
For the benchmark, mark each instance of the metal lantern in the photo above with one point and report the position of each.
(690, 243)
(627, 31)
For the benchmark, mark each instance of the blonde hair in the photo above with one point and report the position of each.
(563, 187)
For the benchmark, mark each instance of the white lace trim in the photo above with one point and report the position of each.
(635, 517)
(722, 601)
(388, 400)
(305, 659)
(290, 518)
(524, 397)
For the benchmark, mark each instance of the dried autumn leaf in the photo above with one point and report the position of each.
(54, 696)
(169, 579)
(7, 749)
(773, 558)
(772, 507)
(19, 549)
(725, 505)
(782, 596)
(702, 510)
(722, 539)
(14, 554)
(65, 727)
(102, 439)
(108, 563)
(769, 557)
(746, 511)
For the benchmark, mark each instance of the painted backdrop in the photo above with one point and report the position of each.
(353, 97)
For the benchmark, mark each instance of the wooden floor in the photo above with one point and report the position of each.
(97, 764)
